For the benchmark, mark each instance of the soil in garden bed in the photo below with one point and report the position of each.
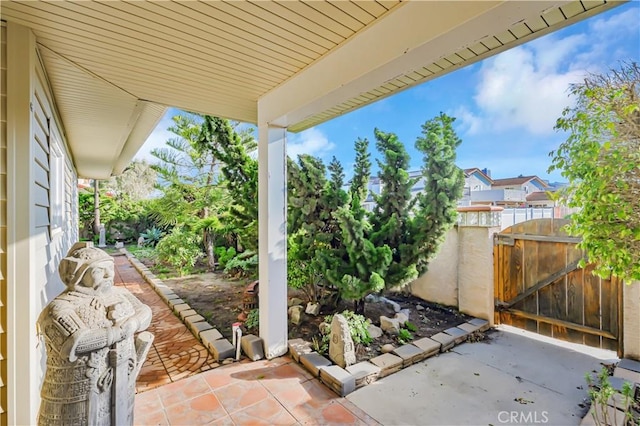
(219, 300)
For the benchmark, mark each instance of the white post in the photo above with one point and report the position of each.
(272, 232)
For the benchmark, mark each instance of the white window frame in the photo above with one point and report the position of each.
(56, 183)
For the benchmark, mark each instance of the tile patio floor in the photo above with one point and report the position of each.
(181, 384)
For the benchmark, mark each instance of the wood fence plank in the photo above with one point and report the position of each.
(591, 306)
(530, 273)
(575, 304)
(516, 285)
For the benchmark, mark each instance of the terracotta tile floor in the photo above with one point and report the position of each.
(180, 385)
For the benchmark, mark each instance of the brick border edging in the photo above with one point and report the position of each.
(344, 381)
(341, 381)
(219, 347)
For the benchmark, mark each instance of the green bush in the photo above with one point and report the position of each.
(152, 236)
(243, 265)
(180, 249)
(253, 320)
(358, 326)
(224, 255)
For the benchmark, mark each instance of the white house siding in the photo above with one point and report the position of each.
(42, 217)
(3, 223)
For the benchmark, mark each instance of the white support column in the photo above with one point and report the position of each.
(272, 235)
(24, 369)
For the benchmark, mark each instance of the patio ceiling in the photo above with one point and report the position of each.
(114, 66)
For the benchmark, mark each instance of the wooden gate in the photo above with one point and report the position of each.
(539, 287)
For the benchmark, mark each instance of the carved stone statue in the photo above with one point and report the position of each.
(92, 358)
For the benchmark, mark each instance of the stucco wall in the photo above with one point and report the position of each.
(475, 272)
(440, 283)
(631, 320)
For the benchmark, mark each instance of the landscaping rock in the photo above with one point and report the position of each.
(324, 328)
(338, 379)
(406, 313)
(394, 305)
(295, 314)
(419, 307)
(252, 346)
(374, 331)
(298, 347)
(389, 325)
(402, 317)
(364, 372)
(341, 347)
(295, 301)
(312, 309)
(385, 349)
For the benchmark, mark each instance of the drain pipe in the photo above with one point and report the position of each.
(237, 337)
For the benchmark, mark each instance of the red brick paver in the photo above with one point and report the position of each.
(179, 384)
(176, 353)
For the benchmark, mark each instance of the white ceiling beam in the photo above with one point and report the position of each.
(415, 34)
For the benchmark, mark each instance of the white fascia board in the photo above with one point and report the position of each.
(146, 115)
(414, 34)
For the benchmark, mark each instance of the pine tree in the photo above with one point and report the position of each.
(391, 217)
(240, 173)
(436, 209)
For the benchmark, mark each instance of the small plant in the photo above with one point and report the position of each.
(180, 249)
(358, 326)
(224, 255)
(253, 320)
(152, 236)
(404, 336)
(321, 345)
(410, 326)
(601, 393)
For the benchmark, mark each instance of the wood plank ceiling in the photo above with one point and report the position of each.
(221, 57)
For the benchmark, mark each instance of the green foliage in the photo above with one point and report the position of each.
(601, 394)
(436, 205)
(601, 160)
(225, 254)
(144, 253)
(243, 265)
(253, 320)
(240, 173)
(410, 326)
(193, 198)
(391, 216)
(152, 236)
(404, 336)
(180, 249)
(358, 327)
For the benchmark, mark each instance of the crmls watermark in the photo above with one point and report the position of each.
(523, 417)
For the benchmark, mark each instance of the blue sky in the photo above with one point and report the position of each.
(506, 106)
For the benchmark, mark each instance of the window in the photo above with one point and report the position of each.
(56, 184)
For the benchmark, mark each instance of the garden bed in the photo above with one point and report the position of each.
(219, 300)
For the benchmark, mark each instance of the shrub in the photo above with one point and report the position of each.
(243, 265)
(152, 236)
(253, 320)
(180, 249)
(224, 255)
(358, 326)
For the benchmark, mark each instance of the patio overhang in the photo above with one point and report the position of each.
(115, 66)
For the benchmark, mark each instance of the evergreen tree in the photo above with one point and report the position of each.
(392, 215)
(240, 172)
(436, 211)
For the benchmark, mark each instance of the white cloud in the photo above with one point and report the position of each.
(311, 141)
(527, 87)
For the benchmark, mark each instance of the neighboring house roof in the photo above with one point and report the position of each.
(520, 180)
(479, 174)
(538, 196)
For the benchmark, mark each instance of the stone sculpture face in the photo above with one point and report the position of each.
(99, 276)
